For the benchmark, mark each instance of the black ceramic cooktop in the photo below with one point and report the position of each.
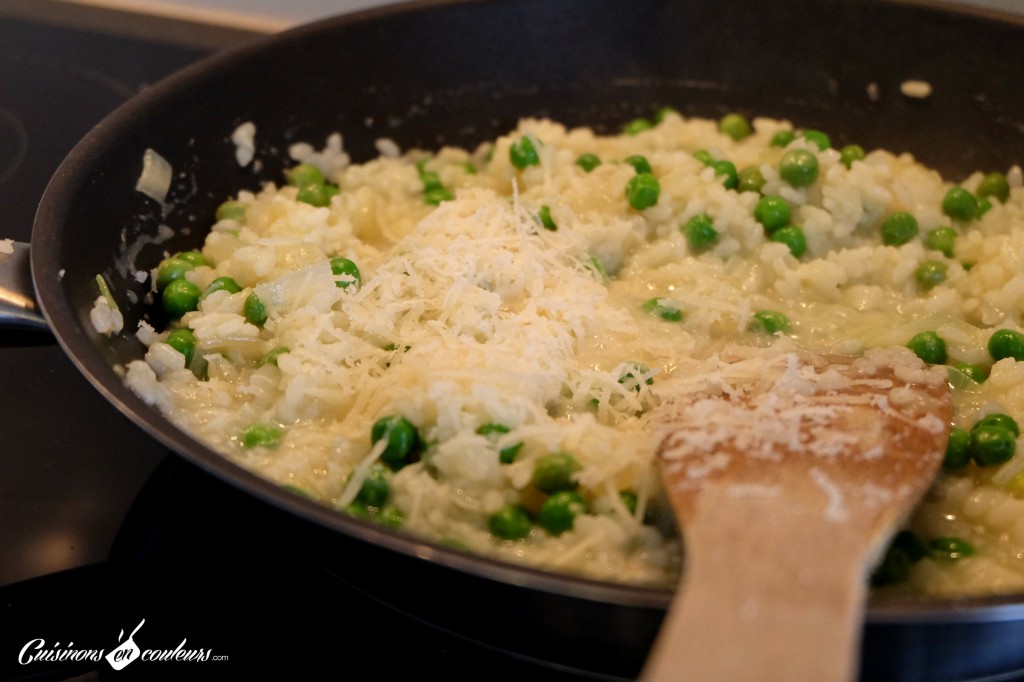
(107, 540)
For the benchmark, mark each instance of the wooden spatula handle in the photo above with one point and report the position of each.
(770, 593)
(785, 495)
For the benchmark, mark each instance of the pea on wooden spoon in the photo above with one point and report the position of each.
(787, 488)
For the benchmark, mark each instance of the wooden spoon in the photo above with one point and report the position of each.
(787, 491)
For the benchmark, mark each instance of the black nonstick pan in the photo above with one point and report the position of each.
(432, 73)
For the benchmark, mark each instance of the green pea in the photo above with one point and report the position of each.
(506, 455)
(304, 175)
(261, 435)
(375, 489)
(629, 500)
(793, 237)
(200, 368)
(194, 258)
(950, 548)
(899, 228)
(700, 232)
(769, 322)
(544, 215)
(317, 195)
(999, 419)
(222, 284)
(588, 162)
(639, 163)
(782, 138)
(254, 310)
(522, 153)
(183, 341)
(735, 126)
(358, 511)
(511, 522)
(637, 126)
(851, 153)
(1006, 343)
(977, 373)
(170, 270)
(430, 180)
(271, 356)
(930, 273)
(436, 195)
(667, 313)
(468, 168)
(772, 212)
(750, 179)
(911, 543)
(994, 185)
(491, 428)
(553, 472)
(983, 207)
(928, 346)
(799, 167)
(904, 550)
(704, 157)
(727, 171)
(390, 517)
(231, 210)
(634, 372)
(818, 139)
(402, 440)
(559, 512)
(957, 449)
(992, 444)
(893, 569)
(642, 191)
(180, 297)
(661, 113)
(348, 272)
(941, 239)
(959, 204)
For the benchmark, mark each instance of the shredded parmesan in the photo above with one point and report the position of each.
(836, 511)
(244, 139)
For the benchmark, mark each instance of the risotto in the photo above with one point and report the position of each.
(469, 344)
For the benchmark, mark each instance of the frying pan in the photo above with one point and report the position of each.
(433, 73)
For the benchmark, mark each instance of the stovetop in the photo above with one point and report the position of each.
(108, 540)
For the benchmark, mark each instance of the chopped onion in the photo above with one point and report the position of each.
(387, 148)
(155, 180)
(916, 89)
(244, 138)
